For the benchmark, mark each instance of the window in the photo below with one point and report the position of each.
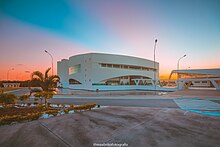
(116, 66)
(124, 80)
(74, 69)
(144, 68)
(131, 67)
(73, 81)
(103, 65)
(109, 65)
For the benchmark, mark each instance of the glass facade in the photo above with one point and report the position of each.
(130, 67)
(125, 80)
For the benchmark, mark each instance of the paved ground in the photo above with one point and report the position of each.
(184, 118)
(135, 126)
(161, 103)
(205, 93)
(141, 93)
(185, 99)
(19, 92)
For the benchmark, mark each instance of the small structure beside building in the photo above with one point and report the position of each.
(11, 85)
(198, 78)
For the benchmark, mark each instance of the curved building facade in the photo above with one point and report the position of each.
(94, 71)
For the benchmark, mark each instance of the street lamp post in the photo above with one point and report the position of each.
(8, 72)
(178, 70)
(51, 59)
(155, 65)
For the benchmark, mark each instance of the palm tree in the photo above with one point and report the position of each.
(46, 82)
(39, 95)
(47, 95)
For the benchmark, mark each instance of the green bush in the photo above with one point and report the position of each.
(84, 107)
(40, 107)
(53, 112)
(10, 115)
(7, 98)
(66, 111)
(19, 118)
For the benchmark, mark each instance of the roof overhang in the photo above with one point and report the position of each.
(215, 71)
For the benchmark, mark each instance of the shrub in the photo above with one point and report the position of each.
(71, 106)
(53, 112)
(7, 98)
(84, 107)
(10, 115)
(41, 107)
(19, 118)
(66, 111)
(23, 97)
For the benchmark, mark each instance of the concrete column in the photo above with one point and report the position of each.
(215, 84)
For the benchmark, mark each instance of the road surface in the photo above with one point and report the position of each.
(162, 103)
(19, 92)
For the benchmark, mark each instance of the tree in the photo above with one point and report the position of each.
(24, 97)
(7, 98)
(39, 95)
(47, 95)
(46, 82)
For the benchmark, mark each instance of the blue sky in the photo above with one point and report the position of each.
(129, 27)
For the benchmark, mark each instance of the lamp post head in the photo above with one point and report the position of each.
(45, 51)
(155, 40)
(184, 55)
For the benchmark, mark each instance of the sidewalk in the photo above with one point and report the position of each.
(197, 104)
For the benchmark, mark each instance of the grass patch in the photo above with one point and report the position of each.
(9, 115)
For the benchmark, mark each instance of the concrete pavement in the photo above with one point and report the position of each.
(19, 92)
(161, 103)
(184, 99)
(176, 119)
(134, 126)
(198, 104)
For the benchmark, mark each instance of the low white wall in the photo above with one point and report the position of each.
(124, 87)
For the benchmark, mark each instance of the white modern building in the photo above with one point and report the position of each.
(94, 71)
(198, 77)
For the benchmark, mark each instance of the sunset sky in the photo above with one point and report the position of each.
(128, 27)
